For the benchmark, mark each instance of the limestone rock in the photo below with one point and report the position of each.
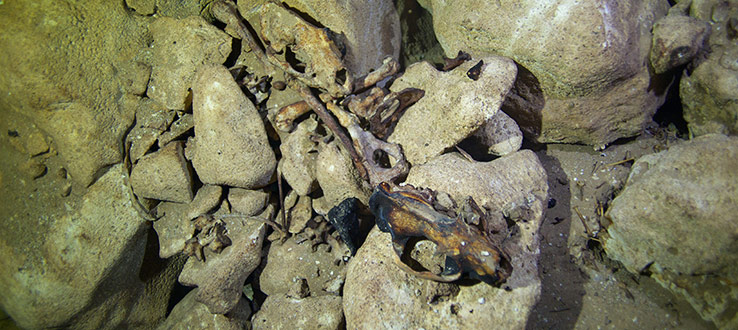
(247, 202)
(190, 314)
(676, 41)
(73, 81)
(230, 144)
(291, 260)
(163, 175)
(454, 105)
(589, 60)
(180, 47)
(371, 28)
(96, 248)
(220, 277)
(300, 214)
(338, 177)
(175, 226)
(676, 217)
(377, 293)
(142, 7)
(152, 119)
(322, 312)
(709, 91)
(299, 154)
(500, 134)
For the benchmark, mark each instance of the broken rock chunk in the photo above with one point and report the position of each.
(163, 175)
(247, 202)
(500, 134)
(454, 105)
(230, 145)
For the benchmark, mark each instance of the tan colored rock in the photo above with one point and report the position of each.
(180, 47)
(300, 214)
(378, 293)
(589, 60)
(142, 7)
(338, 177)
(284, 312)
(98, 246)
(500, 134)
(454, 105)
(230, 145)
(709, 91)
(676, 41)
(220, 277)
(191, 314)
(371, 28)
(299, 154)
(247, 202)
(176, 226)
(291, 260)
(163, 175)
(676, 218)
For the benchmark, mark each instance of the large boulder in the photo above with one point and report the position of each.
(73, 71)
(677, 218)
(589, 78)
(379, 295)
(86, 272)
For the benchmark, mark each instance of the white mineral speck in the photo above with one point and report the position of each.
(481, 301)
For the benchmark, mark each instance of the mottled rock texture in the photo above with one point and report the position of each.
(709, 87)
(230, 145)
(191, 314)
(164, 175)
(589, 79)
(454, 105)
(677, 219)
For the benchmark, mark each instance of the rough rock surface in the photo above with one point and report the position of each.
(175, 226)
(299, 155)
(371, 29)
(220, 277)
(454, 105)
(230, 144)
(378, 294)
(284, 312)
(163, 175)
(500, 134)
(97, 248)
(291, 260)
(709, 91)
(676, 41)
(180, 47)
(75, 81)
(247, 202)
(589, 60)
(674, 202)
(338, 177)
(190, 314)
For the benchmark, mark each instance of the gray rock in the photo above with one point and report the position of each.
(338, 177)
(589, 60)
(180, 46)
(299, 154)
(230, 144)
(163, 175)
(220, 277)
(676, 217)
(709, 91)
(190, 314)
(676, 41)
(454, 105)
(378, 294)
(175, 226)
(500, 134)
(247, 202)
(284, 312)
(96, 248)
